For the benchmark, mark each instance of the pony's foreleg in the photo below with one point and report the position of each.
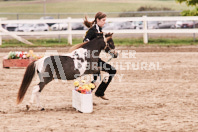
(35, 93)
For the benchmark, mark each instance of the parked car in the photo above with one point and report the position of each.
(189, 24)
(126, 25)
(33, 27)
(137, 25)
(77, 26)
(122, 25)
(112, 26)
(64, 26)
(48, 17)
(12, 27)
(178, 24)
(167, 24)
(153, 24)
(59, 26)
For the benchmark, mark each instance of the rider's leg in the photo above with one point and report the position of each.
(109, 69)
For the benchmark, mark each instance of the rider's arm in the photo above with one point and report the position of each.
(91, 34)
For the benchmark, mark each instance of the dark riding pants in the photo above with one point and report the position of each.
(106, 68)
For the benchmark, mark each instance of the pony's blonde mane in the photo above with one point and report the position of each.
(77, 46)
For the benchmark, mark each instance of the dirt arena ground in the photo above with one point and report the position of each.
(164, 98)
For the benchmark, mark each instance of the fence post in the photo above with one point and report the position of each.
(0, 33)
(69, 30)
(145, 35)
(193, 33)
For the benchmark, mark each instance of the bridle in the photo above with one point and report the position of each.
(111, 51)
(107, 44)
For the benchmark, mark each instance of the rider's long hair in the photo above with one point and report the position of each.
(98, 15)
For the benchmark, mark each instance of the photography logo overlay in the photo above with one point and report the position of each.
(126, 61)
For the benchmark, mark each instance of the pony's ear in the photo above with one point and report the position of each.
(108, 34)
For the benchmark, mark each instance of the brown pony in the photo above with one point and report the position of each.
(67, 67)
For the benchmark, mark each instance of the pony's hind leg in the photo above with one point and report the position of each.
(37, 90)
(41, 85)
(36, 94)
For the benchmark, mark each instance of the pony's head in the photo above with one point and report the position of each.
(109, 45)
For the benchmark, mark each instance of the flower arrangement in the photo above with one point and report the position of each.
(23, 55)
(83, 87)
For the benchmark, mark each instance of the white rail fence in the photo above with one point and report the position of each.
(145, 31)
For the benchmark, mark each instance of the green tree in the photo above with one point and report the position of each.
(193, 12)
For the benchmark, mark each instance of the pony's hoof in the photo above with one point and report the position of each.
(27, 107)
(42, 109)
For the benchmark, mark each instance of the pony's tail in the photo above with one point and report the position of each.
(27, 79)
